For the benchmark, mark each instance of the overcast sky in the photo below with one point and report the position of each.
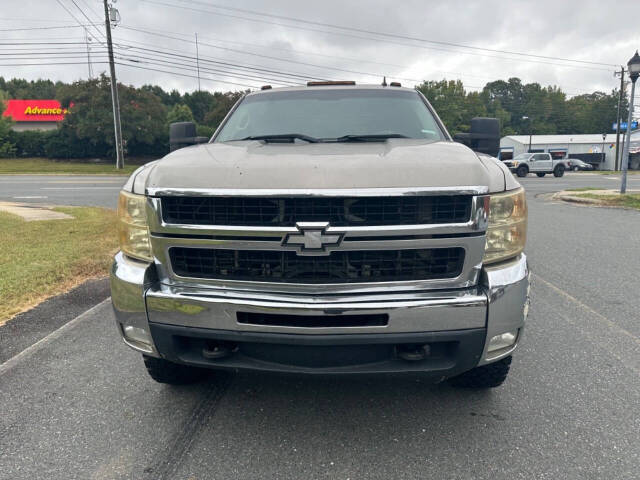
(292, 51)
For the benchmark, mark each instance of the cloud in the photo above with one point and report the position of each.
(258, 49)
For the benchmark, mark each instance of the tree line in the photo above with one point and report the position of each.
(147, 111)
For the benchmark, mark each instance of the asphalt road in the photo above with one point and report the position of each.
(102, 191)
(90, 190)
(79, 403)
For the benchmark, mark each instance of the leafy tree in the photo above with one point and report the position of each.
(90, 120)
(205, 131)
(168, 99)
(224, 103)
(145, 112)
(448, 98)
(7, 147)
(200, 102)
(179, 113)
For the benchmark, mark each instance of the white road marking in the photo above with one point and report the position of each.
(612, 325)
(30, 197)
(80, 188)
(29, 351)
(75, 182)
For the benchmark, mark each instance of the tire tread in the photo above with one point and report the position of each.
(487, 376)
(163, 371)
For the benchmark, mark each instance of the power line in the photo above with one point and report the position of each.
(33, 20)
(49, 63)
(215, 61)
(362, 60)
(324, 67)
(89, 20)
(41, 28)
(185, 75)
(157, 2)
(164, 63)
(73, 16)
(41, 43)
(393, 35)
(334, 57)
(244, 52)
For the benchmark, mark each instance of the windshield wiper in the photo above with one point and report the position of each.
(285, 137)
(369, 138)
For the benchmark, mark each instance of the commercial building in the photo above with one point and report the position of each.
(35, 114)
(591, 148)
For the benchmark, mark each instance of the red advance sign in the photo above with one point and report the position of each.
(35, 111)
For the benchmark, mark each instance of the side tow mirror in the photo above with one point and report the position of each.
(183, 134)
(484, 136)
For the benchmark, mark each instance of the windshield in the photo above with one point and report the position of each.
(522, 156)
(332, 114)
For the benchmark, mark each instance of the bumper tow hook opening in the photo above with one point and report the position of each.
(216, 350)
(413, 353)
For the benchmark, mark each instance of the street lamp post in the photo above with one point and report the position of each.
(528, 123)
(633, 67)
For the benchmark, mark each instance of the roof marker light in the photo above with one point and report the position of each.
(329, 82)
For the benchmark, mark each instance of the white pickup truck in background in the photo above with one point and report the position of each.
(538, 163)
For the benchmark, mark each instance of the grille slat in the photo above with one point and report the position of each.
(338, 211)
(338, 267)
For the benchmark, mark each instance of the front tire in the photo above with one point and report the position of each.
(487, 376)
(522, 171)
(559, 171)
(163, 371)
(541, 174)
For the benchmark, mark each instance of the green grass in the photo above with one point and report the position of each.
(583, 189)
(628, 200)
(43, 258)
(44, 166)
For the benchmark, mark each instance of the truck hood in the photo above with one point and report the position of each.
(259, 165)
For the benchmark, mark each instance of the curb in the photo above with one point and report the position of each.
(27, 328)
(581, 200)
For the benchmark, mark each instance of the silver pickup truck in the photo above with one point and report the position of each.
(326, 229)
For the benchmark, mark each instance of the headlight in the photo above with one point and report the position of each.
(514, 164)
(507, 230)
(133, 230)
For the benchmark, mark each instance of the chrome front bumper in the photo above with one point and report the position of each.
(498, 304)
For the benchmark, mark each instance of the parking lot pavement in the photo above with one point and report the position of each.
(79, 404)
(77, 190)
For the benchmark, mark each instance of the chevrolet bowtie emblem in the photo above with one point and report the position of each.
(313, 239)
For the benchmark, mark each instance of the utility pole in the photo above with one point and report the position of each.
(114, 87)
(528, 119)
(616, 162)
(87, 39)
(198, 61)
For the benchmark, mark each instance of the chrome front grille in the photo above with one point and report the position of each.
(338, 267)
(337, 211)
(319, 241)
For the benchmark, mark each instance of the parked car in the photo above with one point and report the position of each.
(538, 163)
(326, 229)
(576, 164)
